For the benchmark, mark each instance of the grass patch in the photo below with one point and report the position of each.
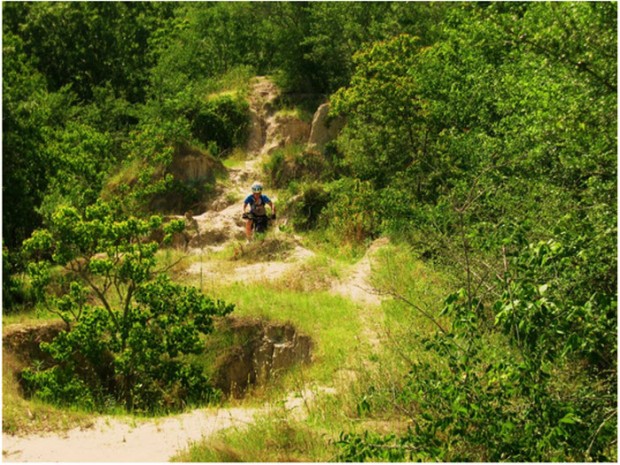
(366, 382)
(274, 439)
(28, 316)
(237, 79)
(296, 113)
(331, 321)
(236, 159)
(175, 261)
(318, 273)
(24, 416)
(320, 242)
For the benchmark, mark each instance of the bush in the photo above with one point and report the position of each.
(293, 164)
(155, 177)
(307, 207)
(351, 214)
(132, 349)
(14, 292)
(223, 119)
(525, 389)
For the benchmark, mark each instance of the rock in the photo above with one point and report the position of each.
(256, 134)
(283, 130)
(266, 349)
(191, 164)
(292, 130)
(324, 128)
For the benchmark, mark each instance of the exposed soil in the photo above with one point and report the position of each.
(264, 350)
(111, 439)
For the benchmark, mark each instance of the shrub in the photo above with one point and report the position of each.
(307, 207)
(132, 349)
(294, 164)
(351, 214)
(223, 120)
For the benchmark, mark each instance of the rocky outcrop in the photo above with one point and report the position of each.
(264, 93)
(324, 128)
(283, 130)
(218, 220)
(266, 349)
(190, 164)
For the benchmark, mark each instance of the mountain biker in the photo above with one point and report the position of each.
(256, 201)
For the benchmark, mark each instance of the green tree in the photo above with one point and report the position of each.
(28, 111)
(133, 347)
(86, 45)
(512, 171)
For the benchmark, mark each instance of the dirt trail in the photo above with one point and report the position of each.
(222, 222)
(358, 288)
(116, 440)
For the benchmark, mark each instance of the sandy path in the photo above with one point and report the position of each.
(357, 287)
(112, 440)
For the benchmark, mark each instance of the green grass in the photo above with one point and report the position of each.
(28, 316)
(296, 113)
(331, 321)
(320, 242)
(236, 159)
(363, 377)
(30, 416)
(274, 439)
(236, 79)
(342, 358)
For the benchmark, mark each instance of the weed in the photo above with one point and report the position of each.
(22, 416)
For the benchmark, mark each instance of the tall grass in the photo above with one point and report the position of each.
(366, 379)
(30, 416)
(331, 321)
(236, 79)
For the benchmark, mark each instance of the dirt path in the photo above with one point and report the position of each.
(115, 440)
(222, 222)
(357, 287)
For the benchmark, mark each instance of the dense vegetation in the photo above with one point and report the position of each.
(482, 137)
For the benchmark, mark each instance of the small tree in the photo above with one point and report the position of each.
(130, 330)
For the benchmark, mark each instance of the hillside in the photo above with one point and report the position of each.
(123, 440)
(439, 282)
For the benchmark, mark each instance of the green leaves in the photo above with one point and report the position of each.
(131, 348)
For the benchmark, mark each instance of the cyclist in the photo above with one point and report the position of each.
(256, 201)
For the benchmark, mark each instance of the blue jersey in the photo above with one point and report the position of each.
(249, 200)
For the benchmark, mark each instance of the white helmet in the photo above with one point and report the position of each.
(257, 187)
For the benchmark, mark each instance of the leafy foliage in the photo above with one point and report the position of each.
(482, 407)
(27, 109)
(132, 348)
(508, 171)
(223, 120)
(86, 44)
(485, 135)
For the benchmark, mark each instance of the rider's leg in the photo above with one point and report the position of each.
(248, 230)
